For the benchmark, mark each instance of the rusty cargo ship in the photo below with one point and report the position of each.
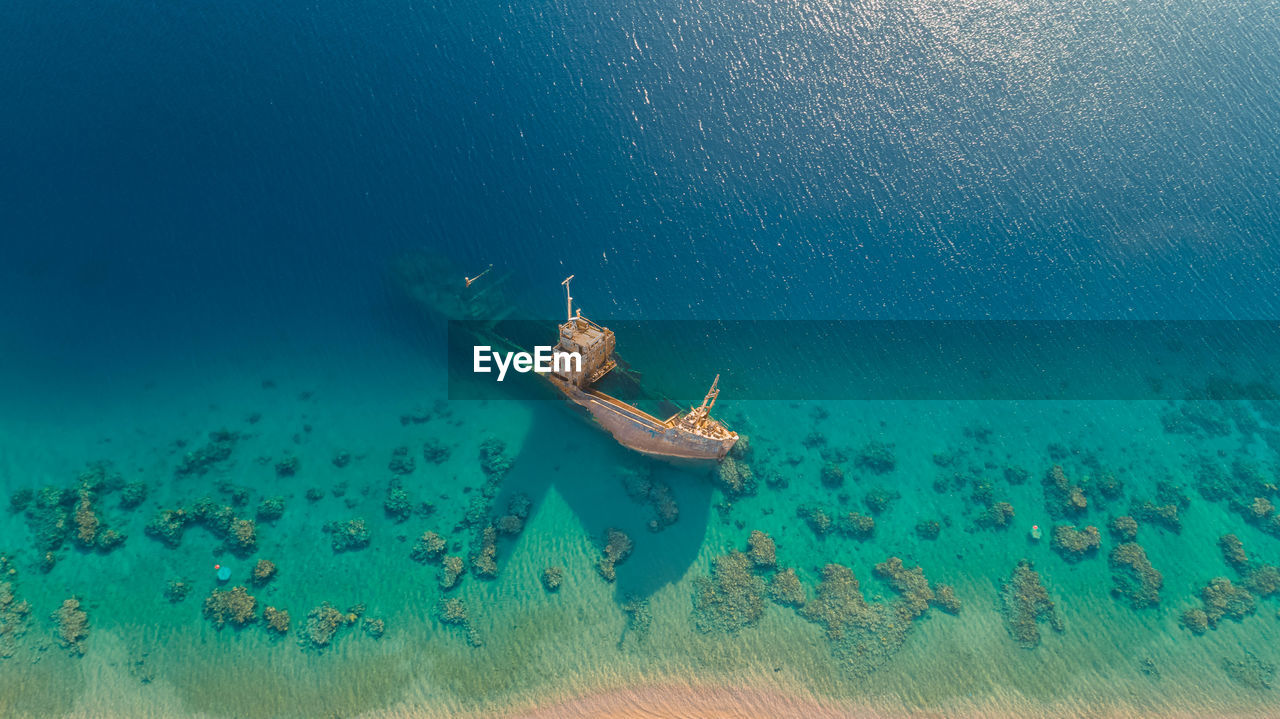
(693, 435)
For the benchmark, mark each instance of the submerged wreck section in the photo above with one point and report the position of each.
(694, 435)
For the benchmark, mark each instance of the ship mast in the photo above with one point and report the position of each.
(568, 300)
(710, 400)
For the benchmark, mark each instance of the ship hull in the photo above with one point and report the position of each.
(644, 433)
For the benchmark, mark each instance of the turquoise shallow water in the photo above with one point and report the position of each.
(147, 656)
(199, 207)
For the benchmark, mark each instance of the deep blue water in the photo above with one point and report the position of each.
(178, 173)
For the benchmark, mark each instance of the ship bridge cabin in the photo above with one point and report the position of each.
(592, 342)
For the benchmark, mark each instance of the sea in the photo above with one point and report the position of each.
(239, 478)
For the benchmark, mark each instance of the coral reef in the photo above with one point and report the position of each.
(1250, 671)
(1134, 577)
(617, 548)
(832, 475)
(911, 583)
(643, 488)
(398, 505)
(997, 516)
(509, 524)
(235, 606)
(435, 452)
(493, 459)
(785, 588)
(341, 459)
(1062, 497)
(217, 519)
(218, 449)
(1103, 486)
(838, 601)
(168, 526)
(731, 598)
(1124, 528)
(863, 636)
(817, 519)
(735, 477)
(1247, 489)
(1025, 603)
(1016, 475)
(263, 571)
(639, 619)
(762, 550)
(1075, 544)
(86, 520)
(270, 509)
(928, 529)
(1162, 515)
(1220, 599)
(287, 467)
(177, 590)
(856, 526)
(484, 555)
(323, 624)
(876, 457)
(277, 620)
(374, 627)
(551, 578)
(13, 620)
(944, 598)
(348, 536)
(1233, 552)
(454, 612)
(401, 463)
(243, 538)
(21, 499)
(430, 547)
(73, 625)
(451, 570)
(48, 517)
(879, 500)
(1196, 620)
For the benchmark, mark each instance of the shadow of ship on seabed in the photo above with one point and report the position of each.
(607, 486)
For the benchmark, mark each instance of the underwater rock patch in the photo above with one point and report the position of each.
(855, 526)
(876, 457)
(1062, 497)
(1025, 603)
(454, 612)
(430, 547)
(786, 589)
(1135, 579)
(617, 548)
(13, 620)
(1249, 671)
(217, 450)
(347, 536)
(1074, 544)
(73, 626)
(551, 578)
(762, 550)
(233, 606)
(731, 598)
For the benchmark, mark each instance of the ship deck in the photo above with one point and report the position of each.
(634, 413)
